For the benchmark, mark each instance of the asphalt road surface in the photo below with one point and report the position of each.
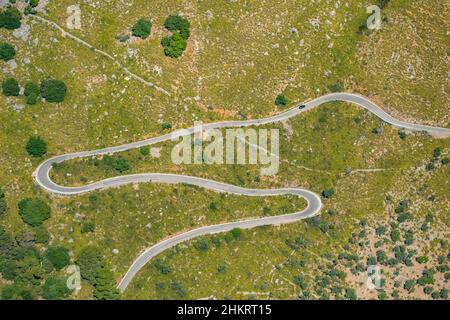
(42, 178)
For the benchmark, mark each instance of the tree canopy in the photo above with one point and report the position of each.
(10, 18)
(3, 206)
(34, 211)
(117, 163)
(105, 285)
(55, 288)
(142, 28)
(7, 51)
(90, 260)
(32, 92)
(328, 193)
(10, 87)
(175, 44)
(53, 90)
(177, 23)
(281, 100)
(36, 147)
(58, 256)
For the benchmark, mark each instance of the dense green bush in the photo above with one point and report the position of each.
(281, 100)
(201, 244)
(117, 163)
(177, 42)
(88, 227)
(328, 193)
(36, 147)
(32, 92)
(177, 23)
(7, 51)
(174, 45)
(395, 235)
(90, 260)
(105, 285)
(53, 90)
(41, 234)
(58, 256)
(34, 211)
(145, 151)
(3, 206)
(162, 267)
(10, 87)
(142, 28)
(10, 18)
(350, 294)
(55, 288)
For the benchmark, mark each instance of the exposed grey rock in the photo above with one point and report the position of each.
(22, 33)
(18, 107)
(12, 64)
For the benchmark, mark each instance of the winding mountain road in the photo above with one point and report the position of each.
(41, 175)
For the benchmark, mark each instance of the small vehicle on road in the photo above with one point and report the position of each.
(302, 107)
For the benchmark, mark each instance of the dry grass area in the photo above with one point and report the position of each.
(240, 56)
(405, 65)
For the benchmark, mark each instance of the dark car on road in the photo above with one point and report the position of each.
(302, 107)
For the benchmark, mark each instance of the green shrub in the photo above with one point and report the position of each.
(281, 100)
(236, 233)
(7, 51)
(88, 227)
(36, 147)
(32, 92)
(350, 294)
(41, 234)
(105, 285)
(142, 28)
(145, 151)
(395, 235)
(117, 163)
(10, 87)
(443, 293)
(55, 288)
(177, 42)
(90, 260)
(201, 244)
(422, 259)
(328, 193)
(381, 230)
(3, 206)
(176, 23)
(10, 19)
(53, 90)
(174, 45)
(409, 285)
(58, 256)
(437, 152)
(213, 206)
(34, 211)
(162, 267)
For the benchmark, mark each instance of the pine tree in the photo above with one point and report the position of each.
(105, 285)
